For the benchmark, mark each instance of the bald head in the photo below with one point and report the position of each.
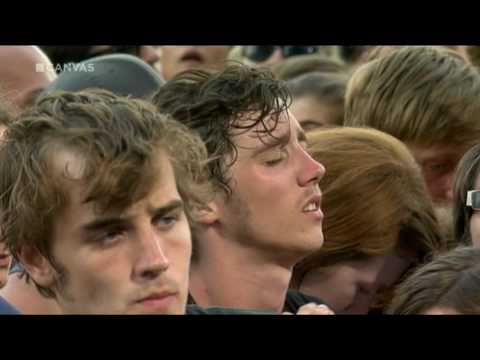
(21, 78)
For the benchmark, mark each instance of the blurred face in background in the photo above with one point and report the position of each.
(147, 53)
(25, 72)
(351, 287)
(268, 56)
(312, 113)
(176, 59)
(438, 165)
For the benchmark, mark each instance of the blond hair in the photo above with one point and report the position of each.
(374, 199)
(418, 94)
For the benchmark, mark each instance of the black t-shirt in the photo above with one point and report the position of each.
(197, 310)
(294, 300)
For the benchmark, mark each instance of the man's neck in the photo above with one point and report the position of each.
(230, 275)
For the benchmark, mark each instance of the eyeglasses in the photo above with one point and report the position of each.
(262, 53)
(473, 199)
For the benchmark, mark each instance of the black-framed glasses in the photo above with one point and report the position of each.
(473, 199)
(262, 53)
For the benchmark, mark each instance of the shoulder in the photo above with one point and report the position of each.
(7, 309)
(197, 310)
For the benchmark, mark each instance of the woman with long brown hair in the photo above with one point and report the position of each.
(379, 221)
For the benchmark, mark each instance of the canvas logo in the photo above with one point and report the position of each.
(67, 67)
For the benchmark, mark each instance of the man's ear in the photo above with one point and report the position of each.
(37, 266)
(208, 215)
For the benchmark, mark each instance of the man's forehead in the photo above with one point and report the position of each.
(70, 168)
(99, 48)
(23, 58)
(272, 127)
(425, 153)
(68, 163)
(26, 75)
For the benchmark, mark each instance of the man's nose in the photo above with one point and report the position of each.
(149, 54)
(151, 260)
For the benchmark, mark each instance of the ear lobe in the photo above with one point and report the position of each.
(207, 216)
(37, 266)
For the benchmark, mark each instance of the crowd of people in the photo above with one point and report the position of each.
(201, 180)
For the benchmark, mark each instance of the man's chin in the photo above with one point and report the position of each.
(444, 215)
(443, 210)
(172, 309)
(309, 246)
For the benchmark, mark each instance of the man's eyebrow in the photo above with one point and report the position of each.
(301, 135)
(273, 142)
(165, 209)
(109, 222)
(104, 223)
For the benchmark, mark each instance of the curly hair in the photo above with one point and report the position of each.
(419, 94)
(118, 140)
(221, 105)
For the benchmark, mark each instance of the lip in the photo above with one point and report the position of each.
(4, 260)
(157, 302)
(192, 56)
(317, 214)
